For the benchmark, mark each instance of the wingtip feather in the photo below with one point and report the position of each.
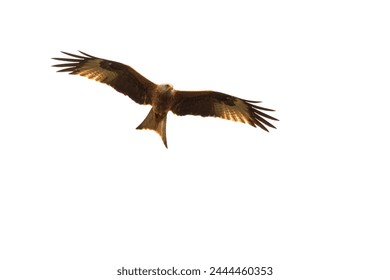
(88, 55)
(73, 55)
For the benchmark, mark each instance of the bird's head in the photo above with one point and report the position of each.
(165, 88)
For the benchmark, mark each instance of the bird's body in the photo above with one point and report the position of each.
(164, 98)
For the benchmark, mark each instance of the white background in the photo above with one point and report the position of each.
(84, 193)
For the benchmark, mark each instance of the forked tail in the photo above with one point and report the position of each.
(157, 123)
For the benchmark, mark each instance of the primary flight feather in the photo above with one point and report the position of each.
(164, 97)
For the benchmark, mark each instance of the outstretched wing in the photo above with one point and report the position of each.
(217, 104)
(121, 77)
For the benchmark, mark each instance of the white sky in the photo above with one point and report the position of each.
(84, 193)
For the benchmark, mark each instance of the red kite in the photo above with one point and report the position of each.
(164, 97)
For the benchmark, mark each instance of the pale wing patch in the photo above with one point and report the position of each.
(237, 113)
(92, 70)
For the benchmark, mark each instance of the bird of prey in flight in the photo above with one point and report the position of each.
(164, 98)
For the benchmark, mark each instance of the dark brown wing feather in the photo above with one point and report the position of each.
(217, 104)
(121, 77)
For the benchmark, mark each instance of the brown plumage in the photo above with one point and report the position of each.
(164, 97)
